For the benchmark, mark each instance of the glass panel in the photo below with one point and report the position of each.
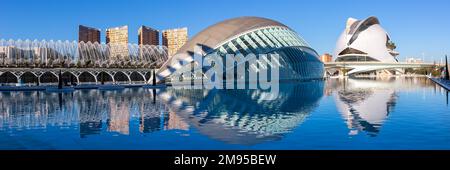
(234, 48)
(271, 38)
(265, 39)
(251, 44)
(257, 40)
(228, 48)
(222, 51)
(244, 46)
(239, 47)
(276, 34)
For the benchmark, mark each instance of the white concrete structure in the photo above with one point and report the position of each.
(364, 47)
(364, 40)
(363, 67)
(247, 35)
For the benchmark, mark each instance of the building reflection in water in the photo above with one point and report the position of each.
(93, 111)
(35, 110)
(90, 105)
(365, 103)
(175, 122)
(232, 116)
(119, 115)
(241, 116)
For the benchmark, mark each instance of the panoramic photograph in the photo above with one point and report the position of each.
(211, 83)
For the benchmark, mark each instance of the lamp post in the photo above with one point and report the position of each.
(154, 77)
(446, 69)
(60, 81)
(102, 79)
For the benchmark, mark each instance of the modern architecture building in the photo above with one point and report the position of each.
(246, 35)
(365, 40)
(117, 38)
(36, 54)
(174, 39)
(88, 34)
(148, 36)
(79, 62)
(18, 56)
(326, 58)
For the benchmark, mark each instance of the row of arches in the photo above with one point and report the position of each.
(72, 79)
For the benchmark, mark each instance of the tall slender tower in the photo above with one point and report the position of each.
(174, 39)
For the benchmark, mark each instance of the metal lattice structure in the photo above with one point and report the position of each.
(75, 75)
(66, 54)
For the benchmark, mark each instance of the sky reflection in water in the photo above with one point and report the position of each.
(392, 113)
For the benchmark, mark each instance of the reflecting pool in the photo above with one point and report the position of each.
(390, 113)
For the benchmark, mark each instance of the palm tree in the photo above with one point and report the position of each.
(391, 45)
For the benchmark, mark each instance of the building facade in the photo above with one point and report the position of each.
(88, 34)
(174, 39)
(117, 38)
(249, 35)
(365, 40)
(148, 36)
(326, 58)
(67, 54)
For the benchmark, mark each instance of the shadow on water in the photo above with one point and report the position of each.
(33, 119)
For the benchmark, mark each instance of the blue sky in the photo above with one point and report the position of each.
(419, 27)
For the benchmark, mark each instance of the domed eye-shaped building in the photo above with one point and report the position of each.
(364, 41)
(246, 35)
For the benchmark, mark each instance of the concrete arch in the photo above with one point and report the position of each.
(104, 77)
(361, 67)
(29, 77)
(148, 75)
(136, 76)
(48, 77)
(68, 76)
(121, 77)
(87, 77)
(8, 77)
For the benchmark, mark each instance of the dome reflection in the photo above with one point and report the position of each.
(240, 116)
(231, 116)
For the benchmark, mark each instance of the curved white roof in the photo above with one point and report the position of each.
(366, 36)
(213, 36)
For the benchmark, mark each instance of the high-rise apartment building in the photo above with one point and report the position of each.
(88, 34)
(174, 39)
(117, 35)
(117, 38)
(148, 36)
(326, 58)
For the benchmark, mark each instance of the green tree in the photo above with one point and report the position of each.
(391, 45)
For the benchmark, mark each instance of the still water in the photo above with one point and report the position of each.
(391, 113)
